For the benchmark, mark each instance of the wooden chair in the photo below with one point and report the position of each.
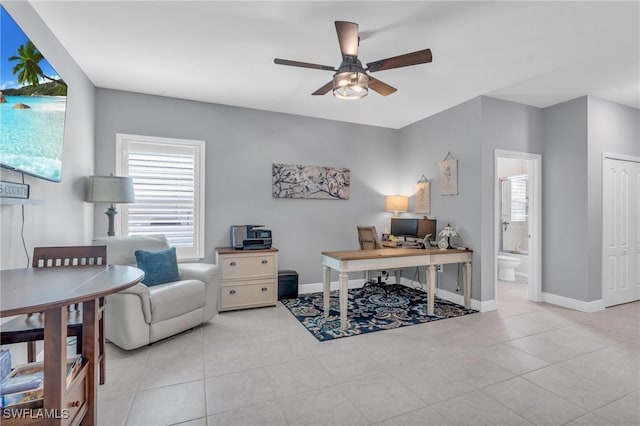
(30, 328)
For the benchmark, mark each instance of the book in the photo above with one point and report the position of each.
(26, 382)
(5, 363)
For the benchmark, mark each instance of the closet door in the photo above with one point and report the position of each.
(621, 223)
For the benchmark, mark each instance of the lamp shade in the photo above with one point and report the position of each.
(448, 232)
(110, 189)
(397, 203)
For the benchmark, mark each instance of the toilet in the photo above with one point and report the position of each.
(507, 267)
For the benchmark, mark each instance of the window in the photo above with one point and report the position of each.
(519, 199)
(168, 181)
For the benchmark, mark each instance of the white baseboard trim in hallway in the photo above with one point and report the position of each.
(577, 305)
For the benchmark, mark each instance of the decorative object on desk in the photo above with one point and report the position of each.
(14, 190)
(447, 233)
(396, 204)
(449, 175)
(371, 309)
(297, 181)
(111, 190)
(422, 195)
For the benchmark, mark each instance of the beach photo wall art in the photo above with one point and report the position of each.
(33, 102)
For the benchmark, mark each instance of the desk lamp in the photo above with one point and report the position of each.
(447, 233)
(397, 204)
(110, 190)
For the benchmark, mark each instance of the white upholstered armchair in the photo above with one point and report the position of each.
(143, 314)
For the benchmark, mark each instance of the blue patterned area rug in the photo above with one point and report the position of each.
(371, 308)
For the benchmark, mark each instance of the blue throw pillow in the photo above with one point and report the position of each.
(159, 267)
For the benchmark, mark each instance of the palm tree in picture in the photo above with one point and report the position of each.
(28, 69)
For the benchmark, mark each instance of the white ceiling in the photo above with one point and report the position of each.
(537, 53)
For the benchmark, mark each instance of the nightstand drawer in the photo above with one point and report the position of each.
(248, 266)
(260, 293)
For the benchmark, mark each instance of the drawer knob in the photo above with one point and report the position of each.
(74, 404)
(264, 262)
(232, 292)
(233, 264)
(264, 289)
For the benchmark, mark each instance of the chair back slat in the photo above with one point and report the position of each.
(69, 256)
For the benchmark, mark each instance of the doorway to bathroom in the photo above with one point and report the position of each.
(517, 226)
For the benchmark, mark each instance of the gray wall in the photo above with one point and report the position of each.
(241, 145)
(472, 132)
(506, 126)
(564, 200)
(424, 144)
(612, 128)
(63, 218)
(576, 134)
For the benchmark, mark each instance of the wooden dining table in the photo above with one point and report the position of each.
(48, 291)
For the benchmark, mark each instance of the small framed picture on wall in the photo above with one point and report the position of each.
(449, 175)
(422, 195)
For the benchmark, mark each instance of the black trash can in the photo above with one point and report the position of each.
(287, 284)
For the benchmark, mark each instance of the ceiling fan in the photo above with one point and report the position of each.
(351, 80)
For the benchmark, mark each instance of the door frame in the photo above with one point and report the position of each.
(534, 285)
(618, 157)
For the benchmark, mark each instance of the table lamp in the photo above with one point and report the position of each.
(397, 204)
(111, 190)
(447, 233)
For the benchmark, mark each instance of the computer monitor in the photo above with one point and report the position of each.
(418, 228)
(425, 227)
(404, 227)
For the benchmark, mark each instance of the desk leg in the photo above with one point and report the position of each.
(398, 274)
(326, 288)
(466, 278)
(55, 364)
(431, 292)
(90, 353)
(344, 297)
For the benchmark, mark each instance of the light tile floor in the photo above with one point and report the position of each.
(526, 363)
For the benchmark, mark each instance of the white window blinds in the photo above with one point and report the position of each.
(168, 181)
(519, 200)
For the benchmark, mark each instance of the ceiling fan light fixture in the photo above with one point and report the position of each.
(350, 85)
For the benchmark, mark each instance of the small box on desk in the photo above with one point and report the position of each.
(287, 284)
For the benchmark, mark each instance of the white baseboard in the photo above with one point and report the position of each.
(577, 305)
(482, 306)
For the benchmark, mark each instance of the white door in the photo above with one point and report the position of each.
(621, 223)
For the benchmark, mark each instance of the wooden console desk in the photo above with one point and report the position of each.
(391, 258)
(51, 290)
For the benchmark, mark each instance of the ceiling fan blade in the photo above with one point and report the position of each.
(413, 58)
(324, 89)
(381, 87)
(303, 64)
(348, 38)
